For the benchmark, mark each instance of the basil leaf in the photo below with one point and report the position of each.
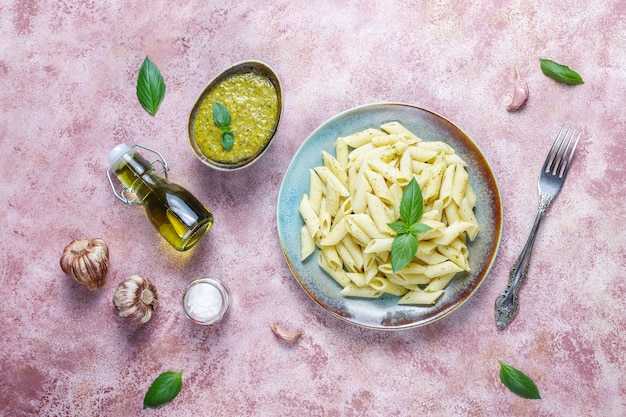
(418, 228)
(228, 140)
(404, 245)
(412, 203)
(560, 73)
(150, 87)
(164, 389)
(221, 116)
(403, 250)
(399, 227)
(518, 383)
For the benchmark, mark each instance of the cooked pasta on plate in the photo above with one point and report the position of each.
(344, 186)
(354, 196)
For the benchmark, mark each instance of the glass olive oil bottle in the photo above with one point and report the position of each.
(180, 218)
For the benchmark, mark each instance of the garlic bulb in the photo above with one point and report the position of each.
(520, 93)
(284, 334)
(136, 299)
(86, 261)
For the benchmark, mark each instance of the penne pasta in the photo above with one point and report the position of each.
(361, 138)
(466, 214)
(457, 252)
(377, 211)
(331, 181)
(470, 195)
(353, 250)
(356, 193)
(440, 283)
(421, 297)
(431, 179)
(357, 278)
(307, 243)
(351, 290)
(389, 172)
(409, 280)
(370, 267)
(335, 272)
(366, 223)
(445, 192)
(437, 146)
(310, 217)
(316, 190)
(356, 232)
(361, 188)
(452, 213)
(459, 185)
(379, 245)
(443, 268)
(341, 151)
(383, 284)
(336, 168)
(379, 186)
(406, 165)
(419, 154)
(451, 232)
(331, 256)
(399, 129)
(349, 263)
(325, 220)
(344, 209)
(336, 233)
(432, 258)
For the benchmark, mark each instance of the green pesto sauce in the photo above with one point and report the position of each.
(252, 102)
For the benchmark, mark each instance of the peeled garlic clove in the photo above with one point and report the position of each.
(136, 299)
(284, 334)
(520, 93)
(86, 261)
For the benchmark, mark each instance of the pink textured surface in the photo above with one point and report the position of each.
(68, 71)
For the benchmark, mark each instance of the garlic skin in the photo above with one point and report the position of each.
(136, 299)
(87, 262)
(284, 334)
(520, 93)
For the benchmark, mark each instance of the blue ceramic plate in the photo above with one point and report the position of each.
(384, 313)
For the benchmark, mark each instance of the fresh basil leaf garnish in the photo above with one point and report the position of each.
(403, 249)
(560, 73)
(417, 228)
(405, 243)
(228, 140)
(221, 117)
(399, 227)
(518, 383)
(412, 203)
(150, 87)
(163, 390)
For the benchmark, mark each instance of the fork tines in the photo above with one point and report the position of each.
(562, 152)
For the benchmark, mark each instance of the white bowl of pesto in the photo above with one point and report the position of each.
(235, 117)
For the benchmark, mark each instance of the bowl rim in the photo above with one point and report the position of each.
(259, 67)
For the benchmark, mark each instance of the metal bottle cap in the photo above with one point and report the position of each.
(126, 196)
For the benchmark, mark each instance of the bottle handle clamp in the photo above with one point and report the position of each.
(126, 196)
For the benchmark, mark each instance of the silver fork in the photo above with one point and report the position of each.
(551, 181)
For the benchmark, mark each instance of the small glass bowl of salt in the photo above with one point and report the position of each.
(205, 301)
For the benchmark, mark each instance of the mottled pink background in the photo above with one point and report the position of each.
(68, 72)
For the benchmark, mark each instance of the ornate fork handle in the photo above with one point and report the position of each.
(507, 304)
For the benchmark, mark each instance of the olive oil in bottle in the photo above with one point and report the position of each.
(180, 218)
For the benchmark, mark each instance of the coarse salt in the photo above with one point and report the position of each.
(203, 301)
